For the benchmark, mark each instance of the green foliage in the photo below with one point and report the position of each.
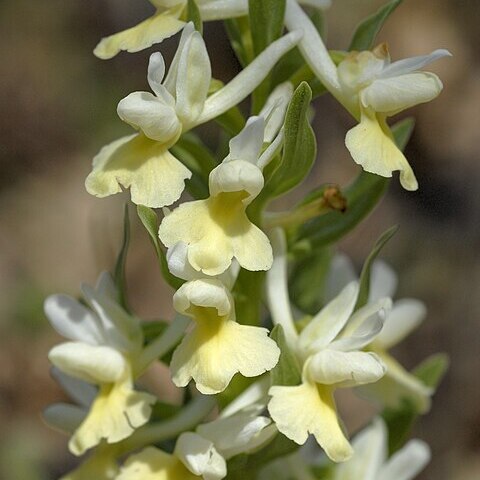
(266, 22)
(163, 411)
(119, 272)
(364, 290)
(287, 371)
(399, 423)
(193, 15)
(247, 292)
(152, 329)
(244, 466)
(299, 149)
(238, 31)
(400, 420)
(198, 159)
(362, 197)
(149, 219)
(367, 31)
(307, 280)
(432, 370)
(266, 25)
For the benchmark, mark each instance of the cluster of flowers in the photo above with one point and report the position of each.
(209, 242)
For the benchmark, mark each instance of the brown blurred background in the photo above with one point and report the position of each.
(59, 107)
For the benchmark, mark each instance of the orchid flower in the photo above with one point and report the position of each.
(104, 340)
(328, 359)
(205, 452)
(405, 316)
(169, 18)
(370, 462)
(180, 102)
(217, 347)
(372, 89)
(217, 229)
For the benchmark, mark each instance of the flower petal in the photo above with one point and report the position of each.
(398, 385)
(145, 34)
(326, 324)
(371, 145)
(64, 417)
(312, 46)
(407, 314)
(370, 452)
(72, 320)
(79, 391)
(178, 264)
(406, 463)
(155, 176)
(252, 248)
(155, 75)
(216, 349)
(209, 246)
(234, 176)
(275, 109)
(153, 464)
(341, 273)
(363, 326)
(393, 95)
(309, 409)
(117, 411)
(345, 369)
(277, 289)
(408, 65)
(383, 281)
(248, 79)
(222, 9)
(193, 80)
(233, 435)
(248, 144)
(155, 118)
(200, 456)
(122, 331)
(101, 465)
(93, 364)
(206, 293)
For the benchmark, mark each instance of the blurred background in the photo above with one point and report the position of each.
(59, 107)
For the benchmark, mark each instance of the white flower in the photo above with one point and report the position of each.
(179, 102)
(217, 347)
(370, 462)
(329, 357)
(104, 341)
(372, 89)
(169, 18)
(217, 229)
(404, 317)
(203, 453)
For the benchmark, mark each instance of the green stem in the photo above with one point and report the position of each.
(191, 415)
(162, 344)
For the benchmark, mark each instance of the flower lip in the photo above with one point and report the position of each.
(236, 176)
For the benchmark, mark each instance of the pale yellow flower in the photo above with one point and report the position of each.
(105, 341)
(168, 19)
(406, 315)
(153, 464)
(328, 359)
(372, 89)
(179, 102)
(217, 229)
(371, 462)
(217, 347)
